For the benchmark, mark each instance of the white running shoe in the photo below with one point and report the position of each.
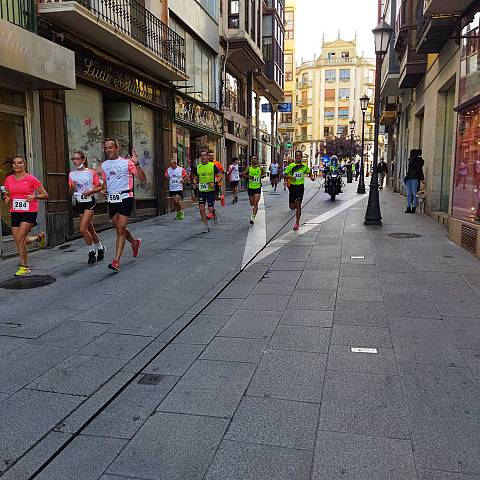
(207, 229)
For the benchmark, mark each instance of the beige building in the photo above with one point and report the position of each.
(328, 92)
(431, 101)
(286, 121)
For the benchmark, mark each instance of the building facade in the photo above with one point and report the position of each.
(328, 90)
(30, 67)
(286, 120)
(430, 101)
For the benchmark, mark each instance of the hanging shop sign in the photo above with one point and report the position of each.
(198, 116)
(108, 75)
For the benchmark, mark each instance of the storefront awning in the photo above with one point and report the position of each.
(30, 61)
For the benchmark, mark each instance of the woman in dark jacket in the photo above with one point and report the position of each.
(413, 178)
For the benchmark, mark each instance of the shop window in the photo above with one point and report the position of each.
(466, 191)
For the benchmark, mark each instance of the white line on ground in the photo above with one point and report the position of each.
(255, 244)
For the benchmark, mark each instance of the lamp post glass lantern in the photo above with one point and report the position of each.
(382, 34)
(364, 101)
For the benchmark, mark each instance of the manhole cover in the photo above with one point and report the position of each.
(149, 379)
(404, 235)
(30, 281)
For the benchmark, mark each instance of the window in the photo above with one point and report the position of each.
(329, 113)
(344, 74)
(233, 94)
(345, 55)
(327, 131)
(342, 131)
(289, 66)
(210, 6)
(329, 94)
(331, 55)
(289, 24)
(343, 113)
(286, 118)
(247, 17)
(343, 93)
(252, 22)
(304, 116)
(233, 13)
(330, 75)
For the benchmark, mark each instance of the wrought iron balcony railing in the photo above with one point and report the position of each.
(133, 20)
(19, 12)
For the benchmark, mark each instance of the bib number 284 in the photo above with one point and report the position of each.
(21, 205)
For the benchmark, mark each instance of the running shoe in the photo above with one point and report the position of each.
(177, 216)
(136, 247)
(296, 226)
(209, 215)
(22, 270)
(41, 240)
(91, 258)
(207, 229)
(115, 265)
(182, 215)
(100, 254)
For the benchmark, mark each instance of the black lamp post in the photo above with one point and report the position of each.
(364, 101)
(382, 33)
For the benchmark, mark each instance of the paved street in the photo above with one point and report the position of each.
(184, 367)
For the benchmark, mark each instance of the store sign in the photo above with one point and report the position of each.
(197, 115)
(105, 74)
(284, 107)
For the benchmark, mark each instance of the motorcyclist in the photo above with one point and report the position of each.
(334, 167)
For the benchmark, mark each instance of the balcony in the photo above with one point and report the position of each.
(19, 12)
(304, 102)
(126, 29)
(434, 30)
(303, 138)
(304, 120)
(435, 7)
(388, 111)
(233, 102)
(305, 84)
(412, 68)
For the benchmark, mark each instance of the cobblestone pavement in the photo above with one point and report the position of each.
(182, 367)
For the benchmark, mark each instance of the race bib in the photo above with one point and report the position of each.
(256, 179)
(19, 205)
(298, 175)
(203, 187)
(83, 198)
(235, 177)
(114, 198)
(174, 181)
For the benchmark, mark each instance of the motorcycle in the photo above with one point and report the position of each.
(333, 183)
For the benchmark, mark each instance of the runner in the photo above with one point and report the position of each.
(84, 183)
(205, 176)
(176, 176)
(295, 173)
(254, 175)
(274, 174)
(234, 176)
(118, 173)
(20, 191)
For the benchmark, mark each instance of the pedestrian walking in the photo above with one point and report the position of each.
(357, 170)
(22, 191)
(205, 176)
(295, 172)
(382, 170)
(176, 175)
(412, 179)
(83, 183)
(253, 173)
(349, 166)
(118, 173)
(234, 177)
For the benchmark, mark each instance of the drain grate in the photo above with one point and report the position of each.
(469, 238)
(30, 281)
(404, 235)
(150, 379)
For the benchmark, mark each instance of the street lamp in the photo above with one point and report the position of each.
(352, 131)
(364, 101)
(382, 34)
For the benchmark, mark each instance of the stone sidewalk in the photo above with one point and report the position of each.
(254, 377)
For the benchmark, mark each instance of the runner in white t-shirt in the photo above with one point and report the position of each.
(84, 183)
(234, 177)
(118, 173)
(176, 175)
(274, 173)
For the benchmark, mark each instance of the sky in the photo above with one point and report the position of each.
(318, 17)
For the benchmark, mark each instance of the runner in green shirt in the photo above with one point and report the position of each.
(254, 175)
(295, 172)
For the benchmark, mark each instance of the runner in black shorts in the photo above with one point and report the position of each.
(274, 173)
